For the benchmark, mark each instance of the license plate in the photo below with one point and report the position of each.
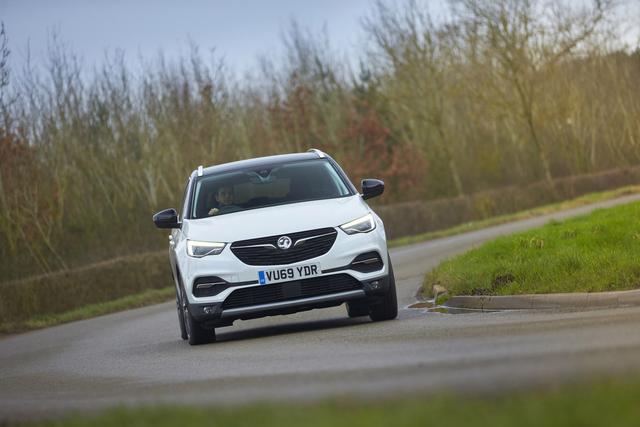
(288, 273)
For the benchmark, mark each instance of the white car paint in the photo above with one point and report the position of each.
(275, 220)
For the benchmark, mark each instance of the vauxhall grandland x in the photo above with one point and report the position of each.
(276, 235)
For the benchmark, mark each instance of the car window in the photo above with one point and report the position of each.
(230, 192)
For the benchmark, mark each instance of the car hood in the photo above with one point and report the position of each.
(276, 220)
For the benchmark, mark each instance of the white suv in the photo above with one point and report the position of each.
(276, 235)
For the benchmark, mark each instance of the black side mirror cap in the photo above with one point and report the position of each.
(372, 188)
(167, 218)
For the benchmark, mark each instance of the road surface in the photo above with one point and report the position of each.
(136, 356)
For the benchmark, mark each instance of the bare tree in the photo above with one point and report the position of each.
(414, 54)
(4, 78)
(522, 42)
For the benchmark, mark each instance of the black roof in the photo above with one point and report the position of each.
(258, 162)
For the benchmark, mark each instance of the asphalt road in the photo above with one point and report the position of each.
(136, 356)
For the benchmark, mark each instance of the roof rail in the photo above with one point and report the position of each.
(200, 170)
(318, 152)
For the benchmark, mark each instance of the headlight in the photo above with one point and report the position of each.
(201, 249)
(360, 225)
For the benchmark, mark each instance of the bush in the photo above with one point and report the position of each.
(406, 219)
(63, 291)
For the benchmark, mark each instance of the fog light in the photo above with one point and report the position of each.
(375, 285)
(208, 310)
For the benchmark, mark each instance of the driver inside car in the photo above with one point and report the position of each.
(225, 199)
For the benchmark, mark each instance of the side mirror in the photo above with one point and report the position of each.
(372, 188)
(167, 218)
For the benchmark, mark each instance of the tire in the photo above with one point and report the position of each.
(183, 329)
(357, 309)
(387, 309)
(196, 334)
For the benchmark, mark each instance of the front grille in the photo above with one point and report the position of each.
(305, 245)
(285, 291)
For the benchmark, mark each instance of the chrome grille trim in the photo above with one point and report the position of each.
(304, 239)
(265, 245)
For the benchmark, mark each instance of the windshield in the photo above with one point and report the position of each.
(230, 192)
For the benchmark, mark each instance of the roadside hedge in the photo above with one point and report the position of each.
(410, 218)
(66, 290)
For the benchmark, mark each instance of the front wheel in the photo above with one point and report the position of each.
(183, 329)
(196, 334)
(387, 309)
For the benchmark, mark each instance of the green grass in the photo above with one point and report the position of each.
(530, 213)
(610, 403)
(142, 299)
(591, 253)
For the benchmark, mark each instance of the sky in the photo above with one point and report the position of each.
(239, 30)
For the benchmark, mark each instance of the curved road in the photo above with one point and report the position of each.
(137, 357)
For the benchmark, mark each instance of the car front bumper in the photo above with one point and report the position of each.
(213, 314)
(238, 275)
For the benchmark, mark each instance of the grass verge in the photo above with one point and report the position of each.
(148, 297)
(611, 403)
(591, 253)
(530, 213)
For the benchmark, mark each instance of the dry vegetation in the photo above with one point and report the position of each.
(502, 93)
